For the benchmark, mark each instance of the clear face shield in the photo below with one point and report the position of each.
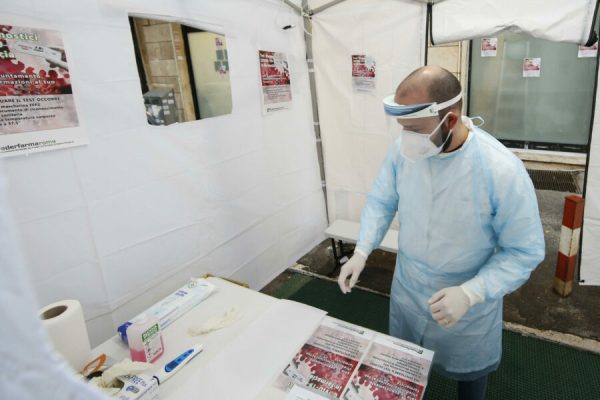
(418, 126)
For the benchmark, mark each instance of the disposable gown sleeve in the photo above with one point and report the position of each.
(520, 235)
(380, 207)
(30, 368)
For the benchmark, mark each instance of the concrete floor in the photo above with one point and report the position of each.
(534, 305)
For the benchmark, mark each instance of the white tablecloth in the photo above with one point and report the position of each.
(239, 361)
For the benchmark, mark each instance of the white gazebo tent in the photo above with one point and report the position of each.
(121, 222)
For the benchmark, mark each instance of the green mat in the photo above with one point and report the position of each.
(530, 368)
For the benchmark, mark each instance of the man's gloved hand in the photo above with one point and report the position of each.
(352, 268)
(449, 305)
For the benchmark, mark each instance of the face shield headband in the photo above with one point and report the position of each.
(424, 110)
(418, 126)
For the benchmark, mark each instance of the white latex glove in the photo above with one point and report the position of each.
(352, 268)
(449, 305)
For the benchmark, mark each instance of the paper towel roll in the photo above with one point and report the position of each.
(65, 325)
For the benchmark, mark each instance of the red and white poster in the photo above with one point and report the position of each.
(586, 52)
(392, 369)
(363, 74)
(37, 109)
(532, 67)
(328, 359)
(275, 81)
(489, 47)
(219, 43)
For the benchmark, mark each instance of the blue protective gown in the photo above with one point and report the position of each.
(469, 213)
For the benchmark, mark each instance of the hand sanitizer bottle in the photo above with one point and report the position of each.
(145, 339)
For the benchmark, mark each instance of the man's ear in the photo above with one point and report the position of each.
(451, 120)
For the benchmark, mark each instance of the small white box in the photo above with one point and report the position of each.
(138, 387)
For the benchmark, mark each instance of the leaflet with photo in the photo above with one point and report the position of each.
(363, 73)
(392, 369)
(275, 81)
(328, 359)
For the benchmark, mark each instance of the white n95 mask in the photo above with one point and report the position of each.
(415, 146)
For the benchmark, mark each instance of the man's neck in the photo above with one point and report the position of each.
(459, 136)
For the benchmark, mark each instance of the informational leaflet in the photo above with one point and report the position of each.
(590, 51)
(219, 43)
(489, 47)
(345, 361)
(363, 74)
(532, 67)
(303, 393)
(392, 369)
(275, 81)
(328, 359)
(36, 98)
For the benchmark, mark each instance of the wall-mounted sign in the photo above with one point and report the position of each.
(532, 67)
(363, 74)
(36, 98)
(275, 81)
(489, 47)
(590, 51)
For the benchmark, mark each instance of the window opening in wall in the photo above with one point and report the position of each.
(184, 71)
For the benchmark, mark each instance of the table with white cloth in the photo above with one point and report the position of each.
(239, 361)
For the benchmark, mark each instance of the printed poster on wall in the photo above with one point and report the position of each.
(532, 67)
(590, 51)
(489, 47)
(37, 109)
(219, 43)
(363, 74)
(275, 81)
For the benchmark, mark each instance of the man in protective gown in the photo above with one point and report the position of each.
(470, 230)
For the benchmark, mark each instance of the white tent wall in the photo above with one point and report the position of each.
(353, 124)
(127, 219)
(556, 20)
(589, 272)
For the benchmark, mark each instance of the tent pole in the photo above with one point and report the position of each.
(325, 6)
(313, 95)
(295, 7)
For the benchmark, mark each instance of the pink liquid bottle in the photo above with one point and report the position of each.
(145, 339)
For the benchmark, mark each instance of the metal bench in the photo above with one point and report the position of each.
(347, 231)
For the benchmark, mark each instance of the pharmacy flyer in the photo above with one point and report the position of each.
(489, 47)
(328, 359)
(392, 369)
(532, 67)
(304, 393)
(363, 74)
(37, 109)
(586, 52)
(275, 81)
(219, 43)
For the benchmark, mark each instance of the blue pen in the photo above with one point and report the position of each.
(170, 368)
